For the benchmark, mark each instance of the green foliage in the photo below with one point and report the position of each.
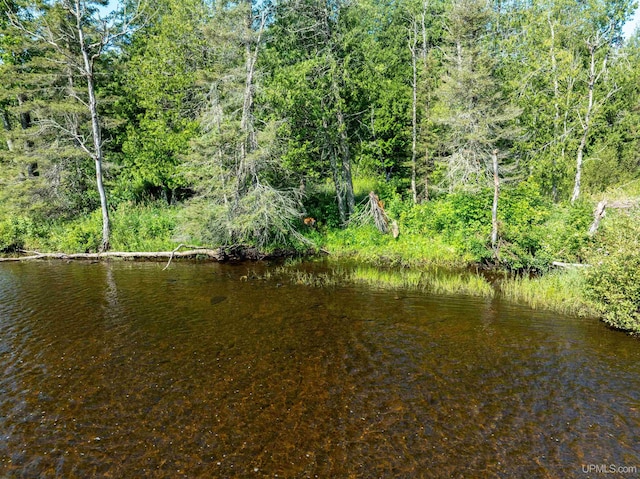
(83, 235)
(239, 106)
(522, 213)
(368, 245)
(561, 291)
(144, 227)
(320, 203)
(565, 233)
(160, 98)
(462, 219)
(14, 231)
(613, 283)
(134, 228)
(533, 232)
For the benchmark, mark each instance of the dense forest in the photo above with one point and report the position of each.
(489, 130)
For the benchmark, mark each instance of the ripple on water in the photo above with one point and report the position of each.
(125, 370)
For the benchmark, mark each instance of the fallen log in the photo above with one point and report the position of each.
(216, 254)
(560, 264)
(229, 253)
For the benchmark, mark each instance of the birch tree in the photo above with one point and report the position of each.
(599, 48)
(78, 37)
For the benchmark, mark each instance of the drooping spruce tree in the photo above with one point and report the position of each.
(241, 193)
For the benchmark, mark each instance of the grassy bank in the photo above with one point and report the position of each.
(559, 291)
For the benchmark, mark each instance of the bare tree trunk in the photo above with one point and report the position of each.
(585, 124)
(347, 180)
(252, 47)
(598, 214)
(338, 183)
(346, 165)
(426, 177)
(25, 124)
(594, 76)
(427, 157)
(414, 107)
(95, 125)
(556, 105)
(494, 209)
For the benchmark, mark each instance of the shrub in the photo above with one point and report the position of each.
(83, 235)
(613, 283)
(463, 220)
(13, 232)
(522, 212)
(565, 233)
(143, 228)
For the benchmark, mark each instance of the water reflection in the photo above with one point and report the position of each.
(125, 370)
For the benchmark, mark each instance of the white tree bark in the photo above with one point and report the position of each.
(413, 43)
(494, 209)
(68, 44)
(594, 76)
(88, 62)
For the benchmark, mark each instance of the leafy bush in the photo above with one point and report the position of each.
(83, 235)
(532, 231)
(565, 233)
(133, 228)
(322, 206)
(143, 228)
(522, 213)
(13, 232)
(613, 283)
(462, 219)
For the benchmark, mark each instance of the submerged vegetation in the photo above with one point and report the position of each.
(560, 291)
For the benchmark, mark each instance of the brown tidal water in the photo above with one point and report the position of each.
(124, 370)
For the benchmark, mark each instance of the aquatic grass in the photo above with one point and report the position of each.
(468, 284)
(558, 291)
(388, 279)
(430, 281)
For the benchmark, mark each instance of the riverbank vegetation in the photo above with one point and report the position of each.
(490, 133)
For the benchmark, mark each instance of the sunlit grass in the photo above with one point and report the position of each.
(436, 282)
(559, 291)
(428, 281)
(367, 245)
(133, 228)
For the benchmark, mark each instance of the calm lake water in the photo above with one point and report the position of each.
(124, 370)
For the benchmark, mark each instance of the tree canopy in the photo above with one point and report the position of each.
(244, 112)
